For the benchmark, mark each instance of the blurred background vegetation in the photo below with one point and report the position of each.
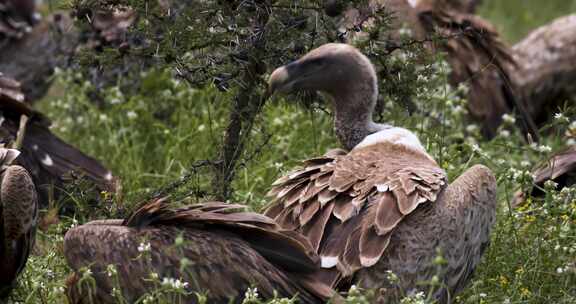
(515, 18)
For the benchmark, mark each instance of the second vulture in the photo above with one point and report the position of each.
(384, 204)
(209, 248)
(48, 158)
(474, 50)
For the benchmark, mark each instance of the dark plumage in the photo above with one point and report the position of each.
(48, 158)
(385, 204)
(560, 168)
(547, 68)
(227, 252)
(30, 49)
(16, 18)
(18, 219)
(473, 48)
(478, 59)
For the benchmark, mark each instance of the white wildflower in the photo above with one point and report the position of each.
(131, 114)
(148, 300)
(111, 270)
(116, 96)
(550, 184)
(560, 117)
(476, 148)
(391, 276)
(471, 128)
(462, 87)
(59, 289)
(174, 283)
(417, 298)
(86, 272)
(251, 295)
(201, 128)
(545, 149)
(179, 241)
(507, 118)
(405, 32)
(505, 133)
(50, 274)
(457, 109)
(144, 247)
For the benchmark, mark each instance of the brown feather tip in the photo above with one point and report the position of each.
(7, 156)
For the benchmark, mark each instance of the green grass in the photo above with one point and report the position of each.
(514, 19)
(153, 138)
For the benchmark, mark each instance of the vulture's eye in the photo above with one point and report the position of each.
(317, 62)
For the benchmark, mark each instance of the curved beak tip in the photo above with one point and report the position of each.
(277, 81)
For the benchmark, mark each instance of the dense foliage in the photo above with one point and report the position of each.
(162, 129)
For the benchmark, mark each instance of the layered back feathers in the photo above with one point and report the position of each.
(349, 204)
(229, 252)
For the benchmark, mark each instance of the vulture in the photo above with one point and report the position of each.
(48, 158)
(31, 48)
(547, 68)
(382, 204)
(18, 218)
(210, 248)
(16, 18)
(473, 48)
(560, 168)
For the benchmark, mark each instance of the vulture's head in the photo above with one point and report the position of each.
(334, 68)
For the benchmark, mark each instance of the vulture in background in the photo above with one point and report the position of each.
(476, 54)
(31, 48)
(16, 18)
(382, 204)
(210, 248)
(18, 218)
(47, 158)
(109, 28)
(560, 168)
(546, 73)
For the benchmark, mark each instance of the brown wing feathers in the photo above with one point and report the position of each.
(293, 260)
(478, 57)
(348, 205)
(286, 248)
(44, 155)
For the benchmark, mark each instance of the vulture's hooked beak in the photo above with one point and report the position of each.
(283, 79)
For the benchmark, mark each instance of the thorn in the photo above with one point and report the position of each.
(529, 139)
(21, 132)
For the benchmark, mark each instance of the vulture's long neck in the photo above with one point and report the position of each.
(353, 111)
